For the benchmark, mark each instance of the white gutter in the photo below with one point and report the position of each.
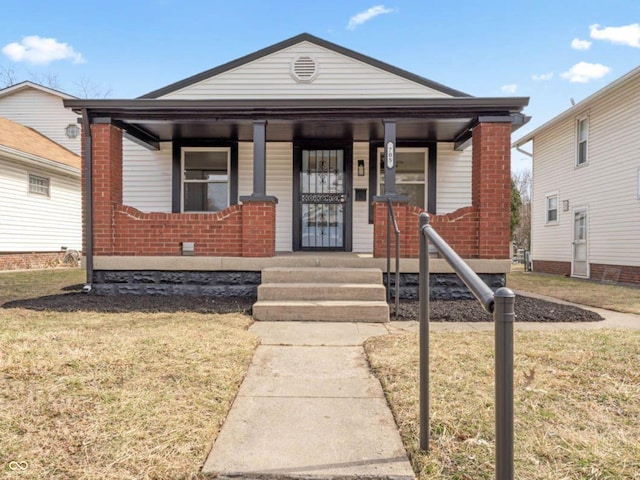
(21, 156)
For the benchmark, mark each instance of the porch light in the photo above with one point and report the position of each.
(72, 130)
(361, 168)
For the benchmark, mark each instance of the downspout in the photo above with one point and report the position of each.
(88, 201)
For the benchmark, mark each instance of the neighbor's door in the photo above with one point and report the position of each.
(580, 261)
(323, 202)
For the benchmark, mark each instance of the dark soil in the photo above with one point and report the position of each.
(527, 309)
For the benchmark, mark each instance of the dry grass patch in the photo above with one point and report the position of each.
(577, 403)
(611, 297)
(36, 283)
(120, 396)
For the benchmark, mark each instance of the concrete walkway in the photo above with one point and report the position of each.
(309, 407)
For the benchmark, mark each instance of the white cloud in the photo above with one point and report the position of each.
(543, 77)
(367, 15)
(578, 44)
(41, 51)
(583, 72)
(626, 35)
(511, 88)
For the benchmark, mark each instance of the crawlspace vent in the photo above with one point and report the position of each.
(304, 69)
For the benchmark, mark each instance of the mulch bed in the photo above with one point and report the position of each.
(527, 309)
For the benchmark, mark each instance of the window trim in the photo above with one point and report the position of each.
(39, 177)
(183, 179)
(579, 120)
(638, 185)
(425, 181)
(546, 208)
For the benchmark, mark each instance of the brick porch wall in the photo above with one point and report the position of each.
(459, 229)
(477, 231)
(241, 230)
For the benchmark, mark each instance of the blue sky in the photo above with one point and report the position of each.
(551, 51)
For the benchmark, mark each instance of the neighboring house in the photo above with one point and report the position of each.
(286, 157)
(40, 198)
(585, 206)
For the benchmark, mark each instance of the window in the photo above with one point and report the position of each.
(410, 175)
(39, 185)
(582, 136)
(552, 208)
(205, 179)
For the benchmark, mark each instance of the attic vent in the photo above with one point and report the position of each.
(304, 69)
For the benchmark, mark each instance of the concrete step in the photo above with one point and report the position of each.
(321, 311)
(322, 291)
(321, 275)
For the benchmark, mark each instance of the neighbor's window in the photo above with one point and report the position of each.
(39, 185)
(552, 209)
(410, 174)
(582, 138)
(205, 179)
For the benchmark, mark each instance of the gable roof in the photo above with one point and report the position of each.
(618, 83)
(27, 84)
(293, 41)
(16, 138)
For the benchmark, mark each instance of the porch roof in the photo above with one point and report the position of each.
(432, 119)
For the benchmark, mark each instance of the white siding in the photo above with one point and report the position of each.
(35, 223)
(146, 177)
(339, 77)
(362, 230)
(453, 187)
(607, 184)
(43, 112)
(279, 184)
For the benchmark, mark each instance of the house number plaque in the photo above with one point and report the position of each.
(390, 159)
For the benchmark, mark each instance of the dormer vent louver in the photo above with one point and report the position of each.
(304, 69)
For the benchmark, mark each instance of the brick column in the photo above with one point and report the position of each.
(258, 227)
(491, 187)
(380, 220)
(107, 183)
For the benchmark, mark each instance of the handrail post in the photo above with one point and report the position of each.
(423, 296)
(503, 317)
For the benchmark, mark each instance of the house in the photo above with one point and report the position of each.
(289, 157)
(585, 202)
(40, 199)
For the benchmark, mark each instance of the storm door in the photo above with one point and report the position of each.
(580, 262)
(322, 211)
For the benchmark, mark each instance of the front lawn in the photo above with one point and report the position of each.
(89, 395)
(577, 403)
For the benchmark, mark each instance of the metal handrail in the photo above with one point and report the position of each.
(392, 221)
(501, 305)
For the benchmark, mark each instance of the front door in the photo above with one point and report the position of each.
(580, 261)
(322, 216)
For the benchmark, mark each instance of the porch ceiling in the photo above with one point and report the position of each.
(437, 119)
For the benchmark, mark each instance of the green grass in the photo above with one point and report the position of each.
(576, 396)
(90, 395)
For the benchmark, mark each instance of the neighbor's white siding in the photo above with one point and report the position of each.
(607, 184)
(362, 229)
(146, 177)
(43, 112)
(453, 186)
(339, 77)
(35, 223)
